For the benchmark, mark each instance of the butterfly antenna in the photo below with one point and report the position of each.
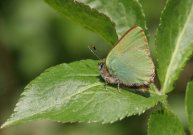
(94, 51)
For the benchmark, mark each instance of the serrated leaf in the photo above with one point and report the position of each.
(75, 93)
(174, 43)
(110, 19)
(164, 123)
(189, 105)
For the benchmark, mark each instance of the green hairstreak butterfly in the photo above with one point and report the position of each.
(129, 62)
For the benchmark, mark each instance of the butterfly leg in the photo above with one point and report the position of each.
(118, 87)
(106, 83)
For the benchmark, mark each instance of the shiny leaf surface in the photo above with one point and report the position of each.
(174, 43)
(75, 93)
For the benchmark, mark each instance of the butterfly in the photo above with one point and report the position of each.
(129, 62)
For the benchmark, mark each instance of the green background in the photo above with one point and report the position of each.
(34, 37)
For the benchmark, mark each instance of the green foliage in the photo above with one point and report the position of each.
(189, 104)
(74, 93)
(174, 43)
(108, 19)
(164, 123)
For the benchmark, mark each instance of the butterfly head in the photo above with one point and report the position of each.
(100, 65)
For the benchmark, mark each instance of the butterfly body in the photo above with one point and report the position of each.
(107, 76)
(129, 62)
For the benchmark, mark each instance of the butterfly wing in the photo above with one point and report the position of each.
(130, 61)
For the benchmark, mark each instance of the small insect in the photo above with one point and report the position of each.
(129, 62)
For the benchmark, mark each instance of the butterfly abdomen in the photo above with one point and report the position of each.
(107, 76)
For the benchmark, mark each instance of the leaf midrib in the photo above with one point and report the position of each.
(44, 110)
(78, 92)
(164, 89)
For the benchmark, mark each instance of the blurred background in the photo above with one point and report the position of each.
(34, 37)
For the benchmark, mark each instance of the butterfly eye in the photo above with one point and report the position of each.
(100, 65)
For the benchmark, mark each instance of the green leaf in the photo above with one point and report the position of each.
(164, 123)
(189, 105)
(110, 19)
(174, 43)
(75, 93)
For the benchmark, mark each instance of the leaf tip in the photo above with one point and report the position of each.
(4, 125)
